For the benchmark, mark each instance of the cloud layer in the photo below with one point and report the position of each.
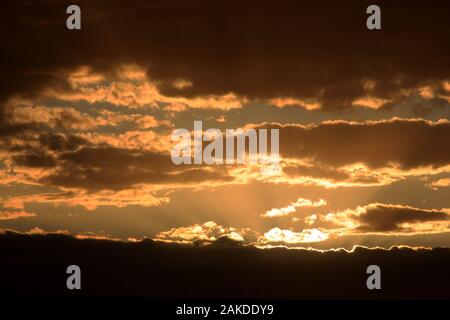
(309, 51)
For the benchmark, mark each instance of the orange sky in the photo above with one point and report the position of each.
(364, 131)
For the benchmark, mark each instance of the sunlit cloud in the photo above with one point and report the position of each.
(110, 118)
(441, 183)
(88, 129)
(71, 118)
(181, 84)
(12, 215)
(138, 196)
(84, 76)
(208, 231)
(309, 220)
(284, 236)
(132, 90)
(370, 102)
(284, 102)
(281, 212)
(55, 117)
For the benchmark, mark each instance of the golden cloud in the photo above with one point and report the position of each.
(208, 231)
(301, 202)
(12, 215)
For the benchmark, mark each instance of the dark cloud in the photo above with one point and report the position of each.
(61, 142)
(38, 157)
(42, 151)
(408, 143)
(96, 168)
(78, 163)
(329, 145)
(255, 49)
(385, 218)
(9, 128)
(36, 160)
(152, 269)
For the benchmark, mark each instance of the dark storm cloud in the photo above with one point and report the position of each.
(409, 143)
(253, 48)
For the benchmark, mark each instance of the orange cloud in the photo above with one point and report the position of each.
(370, 102)
(277, 236)
(56, 117)
(139, 196)
(441, 183)
(390, 218)
(208, 231)
(284, 102)
(12, 215)
(133, 89)
(281, 212)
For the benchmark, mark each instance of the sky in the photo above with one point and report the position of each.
(86, 118)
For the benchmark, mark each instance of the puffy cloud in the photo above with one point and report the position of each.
(57, 117)
(376, 220)
(208, 231)
(71, 118)
(137, 93)
(441, 183)
(277, 236)
(275, 212)
(309, 220)
(211, 231)
(308, 203)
